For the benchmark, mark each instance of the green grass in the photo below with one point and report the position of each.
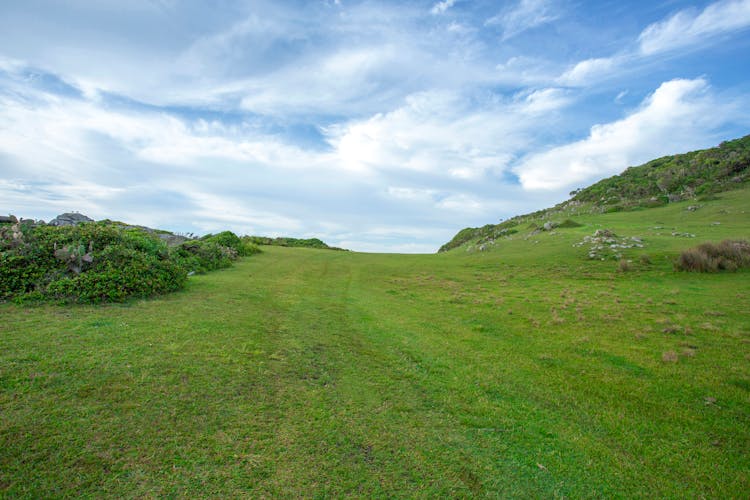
(526, 370)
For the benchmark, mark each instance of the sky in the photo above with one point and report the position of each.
(375, 126)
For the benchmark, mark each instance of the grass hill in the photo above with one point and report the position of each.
(557, 355)
(284, 241)
(697, 176)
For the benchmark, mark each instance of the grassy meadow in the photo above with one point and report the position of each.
(524, 370)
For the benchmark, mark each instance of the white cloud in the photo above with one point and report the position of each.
(54, 126)
(676, 117)
(527, 14)
(441, 7)
(411, 194)
(461, 203)
(545, 100)
(589, 71)
(445, 134)
(686, 28)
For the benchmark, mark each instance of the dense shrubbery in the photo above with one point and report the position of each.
(671, 178)
(729, 255)
(92, 262)
(103, 262)
(200, 256)
(243, 246)
(289, 242)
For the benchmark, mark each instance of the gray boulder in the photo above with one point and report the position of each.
(70, 219)
(8, 219)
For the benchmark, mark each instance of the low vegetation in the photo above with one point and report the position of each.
(310, 373)
(557, 354)
(696, 176)
(674, 178)
(729, 255)
(103, 261)
(290, 242)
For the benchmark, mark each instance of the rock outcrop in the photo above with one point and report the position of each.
(70, 219)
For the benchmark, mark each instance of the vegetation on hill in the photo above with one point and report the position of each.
(558, 354)
(674, 178)
(103, 261)
(698, 175)
(296, 373)
(290, 242)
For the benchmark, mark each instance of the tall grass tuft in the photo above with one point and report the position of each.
(729, 255)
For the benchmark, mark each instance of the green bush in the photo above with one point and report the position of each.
(92, 262)
(200, 256)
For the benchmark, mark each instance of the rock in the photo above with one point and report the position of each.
(692, 208)
(549, 226)
(604, 233)
(8, 219)
(172, 240)
(69, 219)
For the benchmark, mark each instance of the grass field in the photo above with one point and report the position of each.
(526, 370)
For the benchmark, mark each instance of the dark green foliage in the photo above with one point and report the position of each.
(244, 246)
(674, 178)
(200, 256)
(93, 262)
(729, 255)
(138, 275)
(225, 238)
(289, 242)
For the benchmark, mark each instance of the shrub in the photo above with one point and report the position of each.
(91, 262)
(225, 239)
(729, 255)
(200, 256)
(248, 248)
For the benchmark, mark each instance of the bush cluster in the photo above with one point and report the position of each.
(673, 178)
(93, 262)
(103, 262)
(288, 242)
(729, 255)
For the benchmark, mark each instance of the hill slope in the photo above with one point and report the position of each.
(311, 373)
(691, 176)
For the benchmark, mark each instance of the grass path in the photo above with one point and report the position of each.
(316, 373)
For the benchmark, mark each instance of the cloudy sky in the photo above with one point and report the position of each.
(376, 126)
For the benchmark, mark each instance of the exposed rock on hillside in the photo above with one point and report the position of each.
(70, 219)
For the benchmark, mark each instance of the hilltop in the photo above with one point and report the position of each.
(696, 176)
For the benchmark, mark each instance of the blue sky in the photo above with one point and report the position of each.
(376, 126)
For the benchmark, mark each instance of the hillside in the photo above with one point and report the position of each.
(529, 372)
(697, 176)
(558, 354)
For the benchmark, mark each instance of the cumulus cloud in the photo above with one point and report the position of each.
(687, 28)
(675, 117)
